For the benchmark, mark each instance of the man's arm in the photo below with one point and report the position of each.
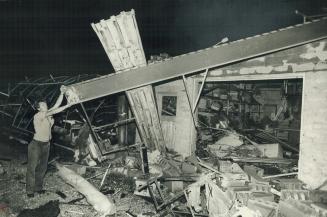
(58, 102)
(57, 110)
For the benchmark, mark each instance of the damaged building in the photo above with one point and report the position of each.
(236, 129)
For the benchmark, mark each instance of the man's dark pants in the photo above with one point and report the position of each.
(38, 153)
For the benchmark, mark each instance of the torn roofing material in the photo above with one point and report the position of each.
(217, 56)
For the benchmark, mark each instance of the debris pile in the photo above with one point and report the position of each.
(243, 164)
(227, 189)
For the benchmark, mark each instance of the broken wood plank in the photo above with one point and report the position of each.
(210, 168)
(280, 175)
(104, 176)
(98, 146)
(136, 145)
(188, 203)
(64, 147)
(96, 175)
(189, 101)
(75, 212)
(100, 202)
(144, 107)
(200, 90)
(263, 160)
(121, 40)
(116, 124)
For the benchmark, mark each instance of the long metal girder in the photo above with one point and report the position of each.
(204, 59)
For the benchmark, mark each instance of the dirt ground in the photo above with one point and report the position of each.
(13, 198)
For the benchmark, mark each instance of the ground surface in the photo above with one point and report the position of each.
(13, 198)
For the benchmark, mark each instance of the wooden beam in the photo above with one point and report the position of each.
(98, 144)
(5, 94)
(143, 105)
(189, 101)
(116, 124)
(280, 175)
(201, 88)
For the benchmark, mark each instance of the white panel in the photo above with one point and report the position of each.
(121, 40)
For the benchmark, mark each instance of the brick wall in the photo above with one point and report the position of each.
(310, 60)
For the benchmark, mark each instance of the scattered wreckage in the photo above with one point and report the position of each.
(234, 176)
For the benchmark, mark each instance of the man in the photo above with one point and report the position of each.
(38, 149)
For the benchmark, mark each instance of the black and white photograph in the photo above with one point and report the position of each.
(154, 108)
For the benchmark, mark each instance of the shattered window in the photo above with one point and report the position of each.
(169, 105)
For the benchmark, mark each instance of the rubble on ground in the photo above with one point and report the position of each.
(212, 186)
(235, 171)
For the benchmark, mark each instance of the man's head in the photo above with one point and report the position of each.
(42, 106)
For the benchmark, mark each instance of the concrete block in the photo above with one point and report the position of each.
(266, 208)
(294, 194)
(234, 179)
(259, 187)
(188, 168)
(174, 186)
(320, 208)
(294, 208)
(257, 170)
(255, 174)
(263, 196)
(237, 169)
(273, 150)
(242, 194)
(318, 196)
(225, 166)
(291, 184)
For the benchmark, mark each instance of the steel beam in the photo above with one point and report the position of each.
(201, 60)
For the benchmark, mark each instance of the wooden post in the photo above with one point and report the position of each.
(201, 88)
(122, 115)
(143, 105)
(189, 101)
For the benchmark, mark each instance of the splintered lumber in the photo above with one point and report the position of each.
(100, 202)
(121, 40)
(280, 175)
(188, 203)
(104, 176)
(64, 147)
(71, 211)
(265, 160)
(209, 168)
(144, 107)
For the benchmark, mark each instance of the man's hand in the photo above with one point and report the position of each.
(63, 89)
(72, 97)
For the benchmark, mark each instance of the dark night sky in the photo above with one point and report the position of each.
(38, 37)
